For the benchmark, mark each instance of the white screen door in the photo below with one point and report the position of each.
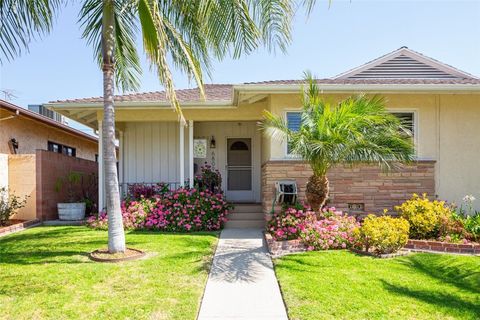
(239, 169)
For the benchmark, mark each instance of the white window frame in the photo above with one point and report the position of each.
(416, 129)
(285, 147)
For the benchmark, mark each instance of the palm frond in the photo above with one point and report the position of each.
(21, 21)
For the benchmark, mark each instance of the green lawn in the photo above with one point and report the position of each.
(45, 274)
(343, 285)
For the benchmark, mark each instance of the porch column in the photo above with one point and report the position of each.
(190, 153)
(181, 155)
(101, 185)
(120, 162)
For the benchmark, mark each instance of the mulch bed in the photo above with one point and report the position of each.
(399, 253)
(102, 255)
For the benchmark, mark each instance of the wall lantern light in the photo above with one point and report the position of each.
(213, 143)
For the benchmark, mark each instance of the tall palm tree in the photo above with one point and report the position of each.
(185, 34)
(356, 130)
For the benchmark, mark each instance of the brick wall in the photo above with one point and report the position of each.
(50, 166)
(362, 184)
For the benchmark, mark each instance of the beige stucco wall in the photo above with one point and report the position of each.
(447, 130)
(22, 182)
(32, 135)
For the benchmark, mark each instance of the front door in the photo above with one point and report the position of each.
(239, 170)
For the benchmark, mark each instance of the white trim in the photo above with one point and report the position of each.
(181, 150)
(285, 143)
(416, 127)
(190, 153)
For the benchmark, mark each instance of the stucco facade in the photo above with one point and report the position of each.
(33, 134)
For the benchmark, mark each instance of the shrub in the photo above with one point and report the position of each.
(179, 210)
(333, 231)
(287, 224)
(9, 204)
(383, 234)
(209, 179)
(425, 216)
(138, 191)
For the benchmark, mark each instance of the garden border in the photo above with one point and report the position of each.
(442, 247)
(281, 248)
(19, 227)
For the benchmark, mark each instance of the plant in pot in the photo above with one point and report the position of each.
(74, 208)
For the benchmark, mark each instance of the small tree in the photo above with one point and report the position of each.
(357, 130)
(9, 204)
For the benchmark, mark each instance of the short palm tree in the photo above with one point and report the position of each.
(356, 130)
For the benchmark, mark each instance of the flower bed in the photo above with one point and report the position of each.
(176, 211)
(439, 246)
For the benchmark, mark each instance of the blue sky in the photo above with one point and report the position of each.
(330, 41)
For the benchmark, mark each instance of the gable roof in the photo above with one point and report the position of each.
(405, 63)
(21, 112)
(402, 69)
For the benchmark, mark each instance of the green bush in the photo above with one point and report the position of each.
(383, 234)
(425, 216)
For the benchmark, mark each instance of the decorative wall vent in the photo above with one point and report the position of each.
(356, 206)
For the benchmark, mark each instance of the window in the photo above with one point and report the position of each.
(408, 120)
(60, 148)
(294, 120)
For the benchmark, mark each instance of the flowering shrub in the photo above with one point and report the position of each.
(138, 191)
(383, 234)
(425, 216)
(209, 179)
(288, 224)
(333, 231)
(179, 210)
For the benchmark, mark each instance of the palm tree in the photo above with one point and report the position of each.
(185, 34)
(356, 130)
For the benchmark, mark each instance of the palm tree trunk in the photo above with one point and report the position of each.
(317, 191)
(116, 234)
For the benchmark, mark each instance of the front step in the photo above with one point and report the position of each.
(246, 216)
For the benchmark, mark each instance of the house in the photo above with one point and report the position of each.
(23, 131)
(442, 102)
(35, 151)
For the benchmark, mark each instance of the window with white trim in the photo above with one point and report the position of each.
(294, 119)
(408, 120)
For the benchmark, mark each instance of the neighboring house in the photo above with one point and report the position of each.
(443, 104)
(23, 131)
(35, 151)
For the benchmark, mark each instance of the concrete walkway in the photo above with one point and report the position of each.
(242, 283)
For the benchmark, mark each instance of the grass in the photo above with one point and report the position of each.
(45, 274)
(343, 285)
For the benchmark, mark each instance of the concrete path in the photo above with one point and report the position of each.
(242, 283)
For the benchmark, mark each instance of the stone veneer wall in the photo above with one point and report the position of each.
(362, 184)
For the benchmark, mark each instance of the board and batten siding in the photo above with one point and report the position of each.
(151, 152)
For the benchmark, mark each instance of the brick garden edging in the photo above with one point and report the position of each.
(281, 248)
(18, 227)
(438, 246)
